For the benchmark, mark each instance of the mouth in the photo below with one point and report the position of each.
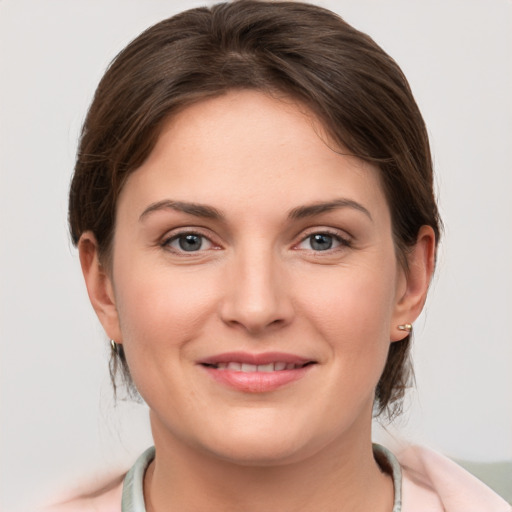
(237, 366)
(256, 373)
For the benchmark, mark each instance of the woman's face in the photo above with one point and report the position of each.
(255, 283)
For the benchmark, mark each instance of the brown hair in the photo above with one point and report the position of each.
(301, 50)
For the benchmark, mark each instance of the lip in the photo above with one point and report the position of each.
(249, 358)
(256, 381)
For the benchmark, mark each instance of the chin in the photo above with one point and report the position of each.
(264, 443)
(260, 453)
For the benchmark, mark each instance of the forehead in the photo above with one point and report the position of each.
(247, 148)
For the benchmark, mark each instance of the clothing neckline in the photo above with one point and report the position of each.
(133, 484)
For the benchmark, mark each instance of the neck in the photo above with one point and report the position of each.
(341, 477)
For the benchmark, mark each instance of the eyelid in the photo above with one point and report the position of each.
(175, 234)
(342, 237)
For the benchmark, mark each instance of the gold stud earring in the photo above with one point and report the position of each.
(405, 327)
(113, 346)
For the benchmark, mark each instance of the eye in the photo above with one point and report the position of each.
(323, 241)
(188, 242)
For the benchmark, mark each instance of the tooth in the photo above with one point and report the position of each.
(222, 366)
(266, 367)
(290, 366)
(279, 366)
(237, 367)
(248, 367)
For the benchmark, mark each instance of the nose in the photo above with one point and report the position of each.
(257, 298)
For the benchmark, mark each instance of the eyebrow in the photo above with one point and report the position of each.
(196, 209)
(209, 212)
(302, 212)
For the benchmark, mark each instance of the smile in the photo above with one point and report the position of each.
(256, 373)
(249, 368)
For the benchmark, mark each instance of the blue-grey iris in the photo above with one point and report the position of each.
(321, 242)
(190, 242)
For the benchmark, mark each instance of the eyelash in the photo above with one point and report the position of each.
(166, 243)
(344, 242)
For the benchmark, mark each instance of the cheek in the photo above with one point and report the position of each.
(352, 309)
(162, 309)
(356, 300)
(160, 314)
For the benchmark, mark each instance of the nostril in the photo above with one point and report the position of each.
(255, 300)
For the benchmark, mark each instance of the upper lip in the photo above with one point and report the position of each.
(256, 359)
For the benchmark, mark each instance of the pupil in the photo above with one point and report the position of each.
(190, 242)
(321, 242)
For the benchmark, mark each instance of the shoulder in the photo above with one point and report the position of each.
(105, 499)
(435, 483)
(108, 497)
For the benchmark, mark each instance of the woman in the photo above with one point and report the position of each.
(253, 208)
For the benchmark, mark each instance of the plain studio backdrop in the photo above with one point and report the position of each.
(59, 425)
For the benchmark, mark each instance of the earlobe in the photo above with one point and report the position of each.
(412, 297)
(99, 286)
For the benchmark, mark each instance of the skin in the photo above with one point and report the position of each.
(256, 285)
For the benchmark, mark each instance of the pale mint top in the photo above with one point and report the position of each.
(133, 495)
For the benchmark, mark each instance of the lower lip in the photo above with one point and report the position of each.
(257, 382)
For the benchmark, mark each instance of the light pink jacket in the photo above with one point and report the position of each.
(430, 483)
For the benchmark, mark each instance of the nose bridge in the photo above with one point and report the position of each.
(256, 296)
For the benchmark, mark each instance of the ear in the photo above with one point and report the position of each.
(99, 286)
(414, 282)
